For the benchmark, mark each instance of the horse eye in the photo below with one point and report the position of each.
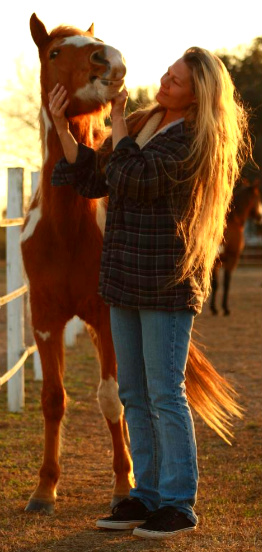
(53, 54)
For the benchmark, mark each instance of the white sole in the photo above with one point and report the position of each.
(147, 534)
(119, 525)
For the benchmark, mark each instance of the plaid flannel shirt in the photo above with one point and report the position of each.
(141, 248)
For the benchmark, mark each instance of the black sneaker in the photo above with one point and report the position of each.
(127, 514)
(164, 523)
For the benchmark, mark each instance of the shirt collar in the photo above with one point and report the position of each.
(173, 123)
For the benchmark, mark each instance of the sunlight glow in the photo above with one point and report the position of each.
(150, 39)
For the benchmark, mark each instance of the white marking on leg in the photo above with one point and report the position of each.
(43, 335)
(108, 399)
(34, 215)
(101, 215)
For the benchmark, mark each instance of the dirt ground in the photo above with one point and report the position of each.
(229, 500)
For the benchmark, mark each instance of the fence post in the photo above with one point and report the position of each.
(15, 308)
(37, 362)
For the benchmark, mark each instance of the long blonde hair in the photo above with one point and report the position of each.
(220, 146)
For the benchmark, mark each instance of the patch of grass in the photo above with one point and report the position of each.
(229, 496)
(252, 425)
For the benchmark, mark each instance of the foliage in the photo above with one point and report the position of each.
(19, 139)
(20, 110)
(246, 72)
(139, 100)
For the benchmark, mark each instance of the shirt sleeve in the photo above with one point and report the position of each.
(146, 174)
(85, 175)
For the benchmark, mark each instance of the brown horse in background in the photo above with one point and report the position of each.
(61, 245)
(246, 204)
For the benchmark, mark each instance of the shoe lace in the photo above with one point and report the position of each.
(166, 513)
(125, 503)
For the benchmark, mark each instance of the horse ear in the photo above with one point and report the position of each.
(38, 31)
(91, 30)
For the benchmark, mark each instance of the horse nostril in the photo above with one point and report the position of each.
(92, 79)
(98, 58)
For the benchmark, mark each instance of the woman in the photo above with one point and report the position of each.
(169, 188)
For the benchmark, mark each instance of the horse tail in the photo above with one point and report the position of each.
(210, 394)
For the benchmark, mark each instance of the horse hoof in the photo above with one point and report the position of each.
(116, 499)
(226, 312)
(214, 310)
(36, 505)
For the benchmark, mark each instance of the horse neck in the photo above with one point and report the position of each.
(86, 129)
(242, 206)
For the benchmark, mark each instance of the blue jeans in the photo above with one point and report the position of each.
(151, 350)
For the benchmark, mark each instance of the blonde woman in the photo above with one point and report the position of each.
(169, 181)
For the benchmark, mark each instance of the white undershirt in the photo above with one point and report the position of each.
(149, 130)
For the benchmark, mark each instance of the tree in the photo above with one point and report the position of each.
(246, 72)
(139, 99)
(19, 111)
(19, 138)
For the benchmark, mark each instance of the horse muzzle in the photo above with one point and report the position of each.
(108, 64)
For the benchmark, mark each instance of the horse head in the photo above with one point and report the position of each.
(91, 71)
(246, 202)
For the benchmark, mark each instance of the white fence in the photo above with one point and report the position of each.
(17, 353)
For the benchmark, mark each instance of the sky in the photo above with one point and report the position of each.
(151, 34)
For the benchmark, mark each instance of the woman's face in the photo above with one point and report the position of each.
(175, 92)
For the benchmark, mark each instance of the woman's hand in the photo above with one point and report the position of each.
(119, 104)
(58, 102)
(119, 128)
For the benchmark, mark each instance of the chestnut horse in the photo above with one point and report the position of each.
(61, 245)
(246, 204)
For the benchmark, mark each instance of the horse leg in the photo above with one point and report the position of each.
(50, 346)
(227, 279)
(112, 409)
(214, 287)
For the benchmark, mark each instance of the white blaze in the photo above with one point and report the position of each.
(79, 41)
(89, 92)
(116, 61)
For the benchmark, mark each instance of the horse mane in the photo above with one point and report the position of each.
(64, 31)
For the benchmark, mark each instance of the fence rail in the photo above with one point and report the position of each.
(8, 375)
(17, 352)
(13, 295)
(12, 222)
